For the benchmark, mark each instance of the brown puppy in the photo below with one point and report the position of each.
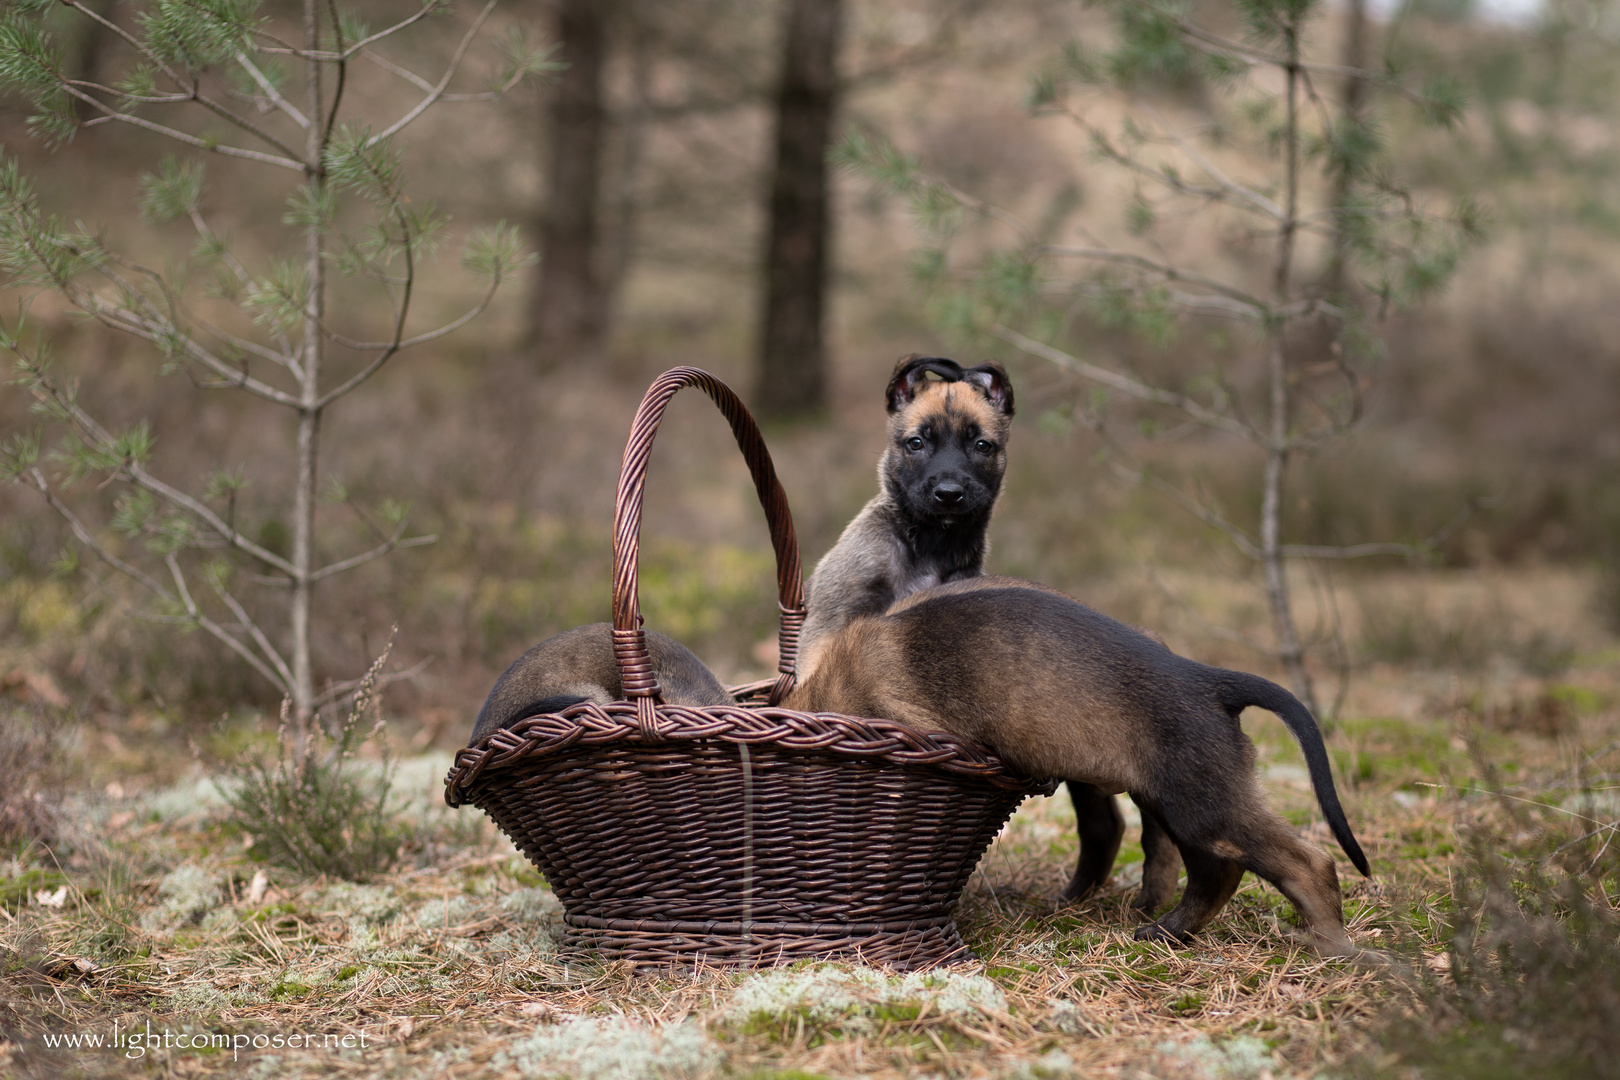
(1057, 689)
(937, 485)
(577, 665)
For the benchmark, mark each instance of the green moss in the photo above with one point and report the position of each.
(17, 892)
(289, 990)
(1187, 1004)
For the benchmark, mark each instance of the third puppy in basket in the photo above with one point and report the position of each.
(577, 665)
(1059, 690)
(938, 480)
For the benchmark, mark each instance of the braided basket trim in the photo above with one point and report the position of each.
(589, 724)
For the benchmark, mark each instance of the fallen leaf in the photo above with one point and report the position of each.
(257, 887)
(51, 899)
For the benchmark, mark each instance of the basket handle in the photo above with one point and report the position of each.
(629, 639)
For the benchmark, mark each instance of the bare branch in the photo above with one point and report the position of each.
(393, 543)
(1230, 186)
(406, 343)
(270, 90)
(252, 627)
(349, 52)
(1212, 629)
(450, 69)
(111, 115)
(1243, 541)
(338, 689)
(1164, 270)
(1127, 385)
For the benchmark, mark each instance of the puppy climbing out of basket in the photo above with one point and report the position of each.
(1059, 690)
(938, 481)
(577, 665)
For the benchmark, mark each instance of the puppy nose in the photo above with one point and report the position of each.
(949, 493)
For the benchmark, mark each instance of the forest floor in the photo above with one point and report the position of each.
(160, 924)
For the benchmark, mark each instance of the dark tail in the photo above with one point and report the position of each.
(1239, 691)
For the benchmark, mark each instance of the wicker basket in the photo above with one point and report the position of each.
(738, 835)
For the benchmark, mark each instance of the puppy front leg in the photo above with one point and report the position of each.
(1161, 864)
(1101, 826)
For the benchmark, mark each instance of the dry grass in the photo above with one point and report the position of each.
(448, 965)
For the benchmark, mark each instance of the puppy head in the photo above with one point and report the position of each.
(912, 376)
(948, 428)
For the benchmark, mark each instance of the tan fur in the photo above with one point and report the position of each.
(1058, 690)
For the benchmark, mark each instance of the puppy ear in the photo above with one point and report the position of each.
(911, 374)
(991, 378)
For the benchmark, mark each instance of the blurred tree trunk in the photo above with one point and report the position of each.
(792, 368)
(570, 309)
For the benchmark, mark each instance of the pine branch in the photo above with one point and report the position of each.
(193, 93)
(134, 573)
(103, 440)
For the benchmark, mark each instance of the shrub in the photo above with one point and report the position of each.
(310, 805)
(1530, 984)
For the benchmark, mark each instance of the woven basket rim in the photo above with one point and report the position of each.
(860, 738)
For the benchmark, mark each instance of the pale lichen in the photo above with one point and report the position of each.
(613, 1048)
(531, 905)
(1241, 1058)
(830, 992)
(187, 894)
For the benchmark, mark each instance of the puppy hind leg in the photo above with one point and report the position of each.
(1161, 863)
(1303, 873)
(1211, 881)
(1101, 827)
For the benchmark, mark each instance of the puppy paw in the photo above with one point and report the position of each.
(1072, 895)
(1156, 932)
(1146, 904)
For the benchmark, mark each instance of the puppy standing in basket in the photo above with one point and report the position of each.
(938, 482)
(1059, 690)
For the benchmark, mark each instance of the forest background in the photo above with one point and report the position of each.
(1487, 451)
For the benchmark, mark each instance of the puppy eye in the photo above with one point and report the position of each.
(914, 443)
(984, 446)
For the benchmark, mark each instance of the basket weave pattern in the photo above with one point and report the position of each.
(738, 835)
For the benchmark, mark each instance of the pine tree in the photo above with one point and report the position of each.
(216, 78)
(1331, 183)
